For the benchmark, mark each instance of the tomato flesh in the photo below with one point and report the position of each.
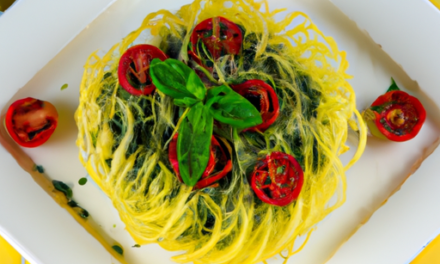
(219, 35)
(264, 98)
(218, 156)
(31, 122)
(277, 179)
(134, 66)
(399, 116)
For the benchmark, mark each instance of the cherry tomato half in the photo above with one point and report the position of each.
(277, 179)
(263, 97)
(219, 35)
(219, 164)
(31, 122)
(397, 116)
(134, 66)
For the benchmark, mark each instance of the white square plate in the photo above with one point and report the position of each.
(47, 234)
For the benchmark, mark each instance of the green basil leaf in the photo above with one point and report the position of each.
(174, 78)
(154, 62)
(193, 143)
(195, 85)
(186, 102)
(180, 67)
(231, 108)
(168, 80)
(393, 86)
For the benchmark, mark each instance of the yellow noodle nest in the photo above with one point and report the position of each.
(157, 208)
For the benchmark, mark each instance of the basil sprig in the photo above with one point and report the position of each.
(177, 80)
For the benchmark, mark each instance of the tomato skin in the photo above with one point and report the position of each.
(30, 122)
(209, 176)
(269, 105)
(141, 56)
(219, 35)
(284, 186)
(398, 116)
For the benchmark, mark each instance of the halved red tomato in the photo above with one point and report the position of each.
(398, 116)
(31, 122)
(277, 179)
(264, 98)
(219, 164)
(219, 35)
(134, 66)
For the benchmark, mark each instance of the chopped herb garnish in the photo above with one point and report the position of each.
(118, 249)
(64, 86)
(82, 181)
(72, 203)
(136, 246)
(82, 212)
(393, 86)
(38, 168)
(280, 169)
(64, 188)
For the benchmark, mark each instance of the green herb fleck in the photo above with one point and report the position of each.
(378, 108)
(82, 181)
(118, 249)
(64, 86)
(106, 75)
(62, 187)
(393, 86)
(136, 246)
(280, 169)
(114, 226)
(82, 212)
(267, 181)
(72, 203)
(38, 168)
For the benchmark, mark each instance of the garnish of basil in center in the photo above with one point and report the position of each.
(175, 79)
